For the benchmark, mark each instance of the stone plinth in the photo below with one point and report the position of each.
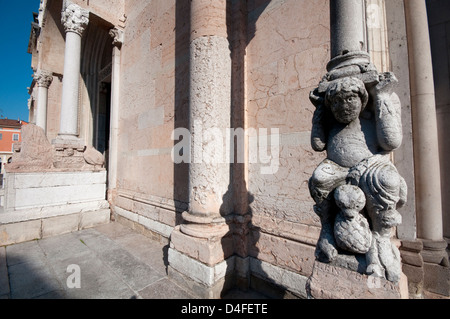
(334, 282)
(42, 204)
(42, 190)
(203, 265)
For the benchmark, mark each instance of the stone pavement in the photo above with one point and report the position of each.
(112, 260)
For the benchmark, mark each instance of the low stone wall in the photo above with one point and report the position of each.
(38, 190)
(32, 229)
(43, 204)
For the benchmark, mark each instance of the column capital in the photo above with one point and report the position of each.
(75, 19)
(117, 35)
(43, 78)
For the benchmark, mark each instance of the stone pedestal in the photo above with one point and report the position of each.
(334, 282)
(51, 189)
(412, 266)
(51, 202)
(436, 267)
(202, 265)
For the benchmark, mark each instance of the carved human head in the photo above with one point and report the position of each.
(346, 98)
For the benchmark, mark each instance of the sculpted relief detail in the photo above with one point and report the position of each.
(357, 189)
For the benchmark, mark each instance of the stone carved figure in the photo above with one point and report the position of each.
(357, 189)
(35, 153)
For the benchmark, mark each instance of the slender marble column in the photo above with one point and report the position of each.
(75, 20)
(43, 80)
(117, 35)
(425, 132)
(210, 107)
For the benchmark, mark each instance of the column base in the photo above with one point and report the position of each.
(206, 282)
(412, 266)
(209, 251)
(71, 152)
(71, 140)
(204, 226)
(435, 252)
(202, 265)
(436, 267)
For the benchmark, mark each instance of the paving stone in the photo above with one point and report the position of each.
(31, 279)
(95, 240)
(27, 252)
(4, 281)
(97, 281)
(164, 289)
(146, 250)
(62, 247)
(115, 262)
(130, 269)
(114, 230)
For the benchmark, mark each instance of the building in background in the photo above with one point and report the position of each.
(10, 133)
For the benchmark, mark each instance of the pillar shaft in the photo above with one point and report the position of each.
(114, 121)
(347, 26)
(210, 109)
(75, 20)
(426, 149)
(43, 81)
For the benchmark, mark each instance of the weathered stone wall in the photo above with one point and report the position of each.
(52, 43)
(288, 49)
(51, 58)
(149, 73)
(109, 10)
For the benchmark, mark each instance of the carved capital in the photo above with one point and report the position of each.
(75, 19)
(43, 78)
(117, 36)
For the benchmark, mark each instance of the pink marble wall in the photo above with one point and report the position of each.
(287, 53)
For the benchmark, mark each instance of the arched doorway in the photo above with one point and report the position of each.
(96, 67)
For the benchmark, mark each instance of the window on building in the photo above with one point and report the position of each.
(15, 137)
(1, 136)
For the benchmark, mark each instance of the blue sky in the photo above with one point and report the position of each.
(15, 62)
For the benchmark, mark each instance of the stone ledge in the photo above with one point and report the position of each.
(208, 251)
(287, 281)
(153, 225)
(333, 282)
(199, 272)
(39, 191)
(17, 232)
(51, 211)
(201, 291)
(437, 279)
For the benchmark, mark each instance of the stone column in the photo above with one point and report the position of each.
(75, 20)
(347, 27)
(117, 35)
(425, 136)
(428, 186)
(199, 243)
(210, 107)
(43, 81)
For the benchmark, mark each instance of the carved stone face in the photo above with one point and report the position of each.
(346, 107)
